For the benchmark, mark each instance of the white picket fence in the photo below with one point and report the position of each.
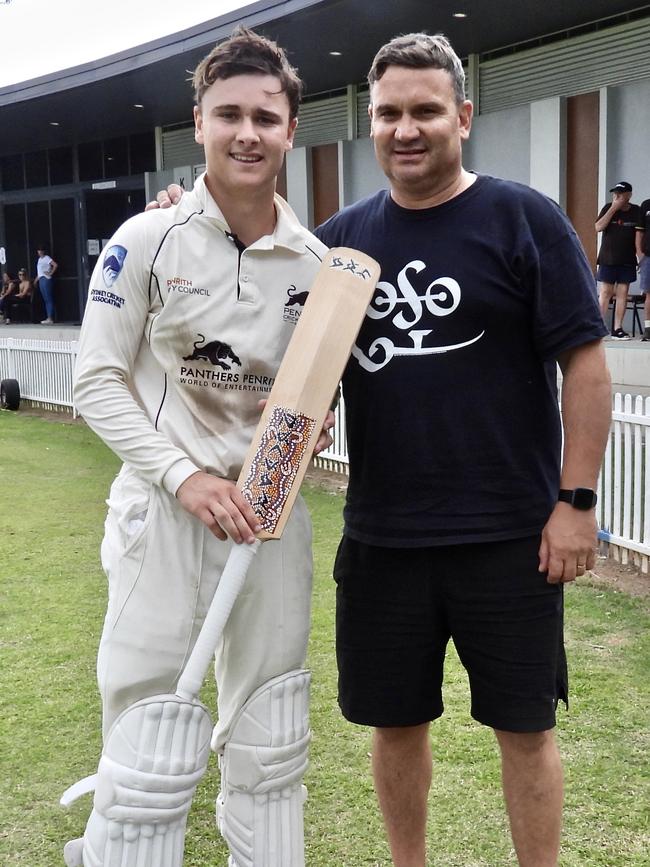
(44, 369)
(623, 509)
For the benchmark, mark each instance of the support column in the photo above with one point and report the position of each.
(548, 148)
(603, 137)
(299, 184)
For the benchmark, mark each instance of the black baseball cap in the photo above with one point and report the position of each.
(622, 187)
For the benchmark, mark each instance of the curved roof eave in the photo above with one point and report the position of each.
(203, 35)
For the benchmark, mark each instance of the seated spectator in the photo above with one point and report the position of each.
(7, 295)
(23, 297)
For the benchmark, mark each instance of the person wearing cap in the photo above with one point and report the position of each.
(643, 257)
(618, 221)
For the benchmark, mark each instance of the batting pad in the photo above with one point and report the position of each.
(260, 808)
(154, 756)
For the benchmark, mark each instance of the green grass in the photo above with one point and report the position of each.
(55, 477)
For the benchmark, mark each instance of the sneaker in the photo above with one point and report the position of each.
(619, 334)
(47, 321)
(646, 335)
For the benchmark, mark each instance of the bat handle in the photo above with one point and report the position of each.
(231, 582)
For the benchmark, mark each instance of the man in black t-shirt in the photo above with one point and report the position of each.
(459, 521)
(643, 256)
(617, 221)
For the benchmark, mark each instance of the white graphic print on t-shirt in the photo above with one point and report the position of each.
(388, 298)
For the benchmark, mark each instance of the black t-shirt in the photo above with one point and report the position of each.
(617, 247)
(452, 419)
(644, 225)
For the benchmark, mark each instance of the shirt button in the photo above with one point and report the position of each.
(244, 279)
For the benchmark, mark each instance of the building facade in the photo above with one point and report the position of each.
(567, 112)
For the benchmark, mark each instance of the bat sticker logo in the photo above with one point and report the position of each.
(217, 352)
(113, 264)
(350, 265)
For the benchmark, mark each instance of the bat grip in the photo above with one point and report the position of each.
(230, 584)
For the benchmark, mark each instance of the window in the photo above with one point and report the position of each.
(18, 255)
(12, 172)
(91, 167)
(64, 249)
(36, 169)
(61, 171)
(116, 157)
(143, 153)
(38, 228)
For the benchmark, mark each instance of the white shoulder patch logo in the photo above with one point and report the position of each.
(113, 264)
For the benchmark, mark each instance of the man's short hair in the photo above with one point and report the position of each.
(420, 51)
(248, 53)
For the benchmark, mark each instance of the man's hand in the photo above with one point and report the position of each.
(325, 438)
(220, 505)
(568, 545)
(166, 198)
(618, 200)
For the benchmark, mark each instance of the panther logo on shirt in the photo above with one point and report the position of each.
(294, 303)
(217, 352)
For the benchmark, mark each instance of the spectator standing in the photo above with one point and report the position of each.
(45, 268)
(643, 256)
(618, 222)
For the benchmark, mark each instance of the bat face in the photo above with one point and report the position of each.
(305, 385)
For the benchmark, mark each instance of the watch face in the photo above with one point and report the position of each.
(584, 498)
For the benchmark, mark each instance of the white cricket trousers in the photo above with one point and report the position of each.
(163, 566)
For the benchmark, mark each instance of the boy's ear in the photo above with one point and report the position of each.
(293, 123)
(198, 125)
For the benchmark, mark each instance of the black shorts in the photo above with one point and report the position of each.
(396, 609)
(614, 274)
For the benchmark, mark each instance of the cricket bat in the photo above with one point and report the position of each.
(291, 422)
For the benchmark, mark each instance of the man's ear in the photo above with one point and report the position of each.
(293, 123)
(370, 116)
(465, 115)
(198, 125)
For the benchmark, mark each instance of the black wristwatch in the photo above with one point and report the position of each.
(579, 498)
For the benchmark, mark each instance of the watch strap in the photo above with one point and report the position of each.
(579, 498)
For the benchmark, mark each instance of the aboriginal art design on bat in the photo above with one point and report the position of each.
(276, 463)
